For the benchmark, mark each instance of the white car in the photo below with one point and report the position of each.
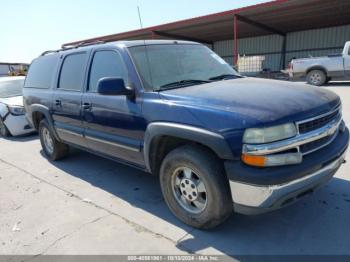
(12, 114)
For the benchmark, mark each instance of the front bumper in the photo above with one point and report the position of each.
(258, 190)
(18, 125)
(251, 199)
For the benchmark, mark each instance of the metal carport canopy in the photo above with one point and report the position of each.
(281, 15)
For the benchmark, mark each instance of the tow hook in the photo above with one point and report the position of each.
(344, 161)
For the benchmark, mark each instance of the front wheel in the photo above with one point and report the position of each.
(53, 149)
(316, 77)
(195, 187)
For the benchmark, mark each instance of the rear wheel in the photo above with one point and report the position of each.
(53, 149)
(4, 132)
(195, 187)
(316, 77)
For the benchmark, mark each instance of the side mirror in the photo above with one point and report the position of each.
(113, 86)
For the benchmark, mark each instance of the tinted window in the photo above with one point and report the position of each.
(10, 88)
(72, 72)
(106, 64)
(41, 72)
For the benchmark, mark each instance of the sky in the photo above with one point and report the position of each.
(30, 27)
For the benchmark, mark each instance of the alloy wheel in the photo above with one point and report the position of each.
(189, 190)
(315, 78)
(47, 139)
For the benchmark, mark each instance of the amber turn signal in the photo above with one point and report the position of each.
(254, 160)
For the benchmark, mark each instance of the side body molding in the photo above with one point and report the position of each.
(214, 141)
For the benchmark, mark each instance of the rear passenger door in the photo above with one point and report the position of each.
(67, 99)
(113, 124)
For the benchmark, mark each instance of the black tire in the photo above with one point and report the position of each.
(59, 150)
(4, 132)
(316, 77)
(219, 205)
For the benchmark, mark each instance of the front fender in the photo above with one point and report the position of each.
(214, 141)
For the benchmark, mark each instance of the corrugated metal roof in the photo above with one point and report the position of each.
(283, 15)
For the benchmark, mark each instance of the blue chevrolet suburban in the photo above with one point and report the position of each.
(219, 142)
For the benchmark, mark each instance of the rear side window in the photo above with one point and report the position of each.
(41, 72)
(72, 72)
(106, 64)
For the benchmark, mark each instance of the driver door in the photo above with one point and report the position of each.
(113, 124)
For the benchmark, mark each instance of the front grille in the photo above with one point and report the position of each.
(317, 123)
(315, 145)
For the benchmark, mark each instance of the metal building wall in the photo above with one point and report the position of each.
(315, 42)
(270, 46)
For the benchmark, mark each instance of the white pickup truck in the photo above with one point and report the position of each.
(320, 70)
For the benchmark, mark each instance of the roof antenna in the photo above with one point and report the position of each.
(138, 11)
(146, 49)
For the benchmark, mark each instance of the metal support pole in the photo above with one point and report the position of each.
(283, 54)
(235, 41)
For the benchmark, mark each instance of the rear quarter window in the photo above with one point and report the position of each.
(41, 72)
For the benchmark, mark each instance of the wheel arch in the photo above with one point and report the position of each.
(321, 68)
(162, 137)
(40, 112)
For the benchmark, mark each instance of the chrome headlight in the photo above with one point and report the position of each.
(269, 134)
(16, 110)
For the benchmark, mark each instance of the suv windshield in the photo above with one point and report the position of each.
(10, 88)
(179, 65)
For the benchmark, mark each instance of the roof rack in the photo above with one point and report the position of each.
(67, 47)
(82, 44)
(49, 51)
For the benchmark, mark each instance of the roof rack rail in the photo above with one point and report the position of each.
(64, 47)
(67, 47)
(49, 51)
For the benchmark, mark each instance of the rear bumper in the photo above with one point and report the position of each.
(296, 76)
(258, 190)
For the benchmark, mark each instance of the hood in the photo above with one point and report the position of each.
(13, 101)
(259, 99)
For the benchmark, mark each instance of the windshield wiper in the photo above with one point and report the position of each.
(224, 76)
(181, 83)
